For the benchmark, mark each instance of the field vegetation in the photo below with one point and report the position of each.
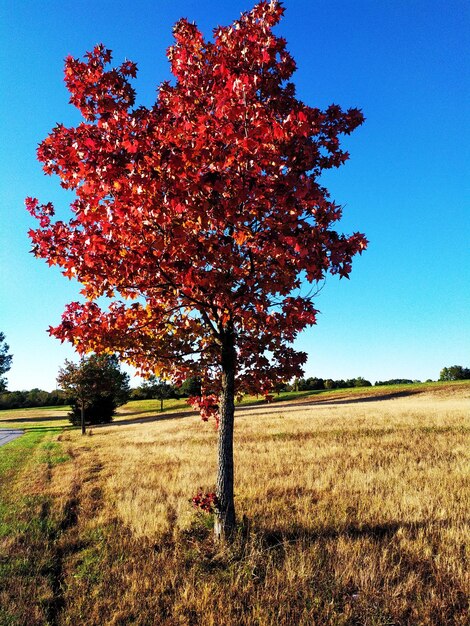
(355, 501)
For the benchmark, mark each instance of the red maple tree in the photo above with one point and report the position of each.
(199, 218)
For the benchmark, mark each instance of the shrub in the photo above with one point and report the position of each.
(95, 386)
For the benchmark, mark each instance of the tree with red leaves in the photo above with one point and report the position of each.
(199, 218)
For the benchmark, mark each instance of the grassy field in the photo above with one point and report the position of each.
(355, 502)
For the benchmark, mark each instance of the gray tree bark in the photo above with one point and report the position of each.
(225, 520)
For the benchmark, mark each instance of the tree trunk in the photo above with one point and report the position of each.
(224, 525)
(82, 416)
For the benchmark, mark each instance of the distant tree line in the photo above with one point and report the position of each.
(32, 398)
(396, 381)
(313, 384)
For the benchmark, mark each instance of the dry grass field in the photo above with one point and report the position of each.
(356, 512)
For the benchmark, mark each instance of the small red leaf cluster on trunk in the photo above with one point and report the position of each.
(207, 502)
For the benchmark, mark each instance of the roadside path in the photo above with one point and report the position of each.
(8, 435)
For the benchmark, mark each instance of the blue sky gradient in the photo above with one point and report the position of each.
(405, 311)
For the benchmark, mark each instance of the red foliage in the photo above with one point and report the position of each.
(205, 501)
(200, 213)
(207, 405)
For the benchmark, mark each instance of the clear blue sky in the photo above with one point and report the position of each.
(406, 310)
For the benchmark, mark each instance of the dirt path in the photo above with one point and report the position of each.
(8, 435)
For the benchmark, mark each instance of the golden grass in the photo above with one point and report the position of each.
(357, 513)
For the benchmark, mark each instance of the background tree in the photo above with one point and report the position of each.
(5, 361)
(191, 387)
(455, 372)
(201, 217)
(362, 382)
(157, 388)
(95, 387)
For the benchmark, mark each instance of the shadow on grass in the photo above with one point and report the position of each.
(375, 398)
(27, 429)
(150, 419)
(299, 406)
(27, 420)
(44, 429)
(150, 411)
(375, 532)
(161, 417)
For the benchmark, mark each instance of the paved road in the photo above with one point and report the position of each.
(8, 435)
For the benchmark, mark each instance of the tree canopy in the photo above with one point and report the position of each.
(206, 205)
